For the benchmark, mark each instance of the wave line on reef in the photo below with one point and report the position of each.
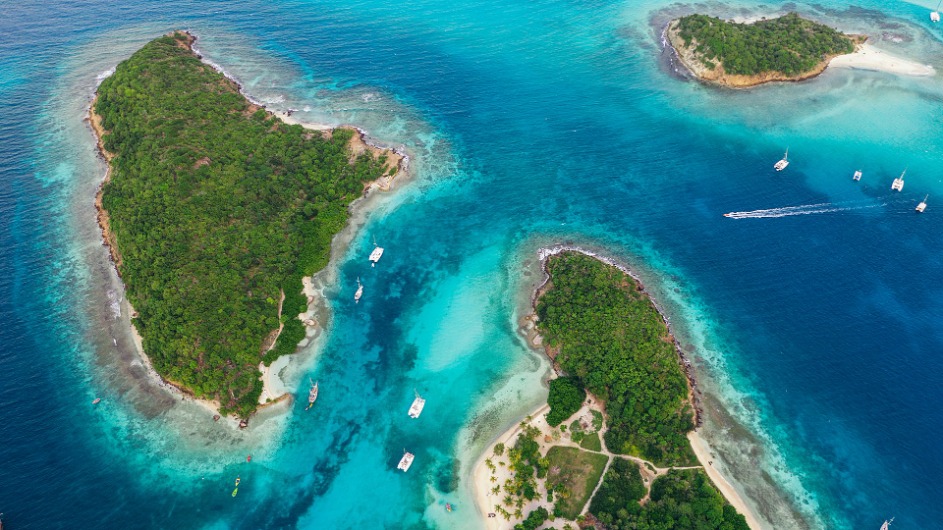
(805, 209)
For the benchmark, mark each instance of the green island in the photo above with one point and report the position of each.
(610, 448)
(214, 210)
(787, 48)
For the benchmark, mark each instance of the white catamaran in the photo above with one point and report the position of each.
(406, 461)
(376, 254)
(312, 394)
(923, 205)
(899, 182)
(359, 292)
(781, 165)
(416, 408)
(857, 175)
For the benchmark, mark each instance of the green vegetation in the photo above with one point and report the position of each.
(566, 397)
(789, 44)
(597, 419)
(217, 209)
(524, 459)
(680, 499)
(534, 519)
(573, 474)
(591, 441)
(615, 344)
(622, 488)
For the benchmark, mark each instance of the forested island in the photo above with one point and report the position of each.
(610, 448)
(787, 48)
(214, 210)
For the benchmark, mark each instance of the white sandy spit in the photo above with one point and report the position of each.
(870, 58)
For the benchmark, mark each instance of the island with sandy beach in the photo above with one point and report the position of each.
(740, 55)
(615, 445)
(214, 210)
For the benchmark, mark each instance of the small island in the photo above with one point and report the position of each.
(214, 210)
(787, 48)
(614, 446)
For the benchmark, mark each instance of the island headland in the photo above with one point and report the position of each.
(615, 445)
(740, 55)
(214, 210)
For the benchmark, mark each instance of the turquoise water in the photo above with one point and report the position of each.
(816, 337)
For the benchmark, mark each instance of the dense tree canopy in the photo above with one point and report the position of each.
(566, 397)
(789, 44)
(534, 519)
(680, 500)
(614, 342)
(621, 489)
(218, 209)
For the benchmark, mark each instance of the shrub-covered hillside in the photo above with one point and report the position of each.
(613, 342)
(217, 209)
(789, 44)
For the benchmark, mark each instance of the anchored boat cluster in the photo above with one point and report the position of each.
(897, 185)
(418, 403)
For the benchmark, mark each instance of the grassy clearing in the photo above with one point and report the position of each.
(573, 475)
(591, 442)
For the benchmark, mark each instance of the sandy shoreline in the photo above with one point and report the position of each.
(481, 483)
(703, 452)
(867, 57)
(274, 389)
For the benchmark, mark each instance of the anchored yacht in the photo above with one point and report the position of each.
(416, 408)
(857, 175)
(781, 165)
(899, 182)
(359, 292)
(376, 254)
(406, 461)
(312, 394)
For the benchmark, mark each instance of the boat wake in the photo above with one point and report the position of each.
(788, 211)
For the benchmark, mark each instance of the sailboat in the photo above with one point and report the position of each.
(312, 394)
(359, 292)
(935, 14)
(923, 205)
(781, 165)
(857, 175)
(898, 183)
(416, 408)
(887, 524)
(406, 461)
(376, 254)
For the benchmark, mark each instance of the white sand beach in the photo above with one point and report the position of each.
(867, 57)
(703, 452)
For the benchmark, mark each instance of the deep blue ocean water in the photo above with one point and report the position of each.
(817, 338)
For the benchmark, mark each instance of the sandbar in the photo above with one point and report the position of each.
(867, 57)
